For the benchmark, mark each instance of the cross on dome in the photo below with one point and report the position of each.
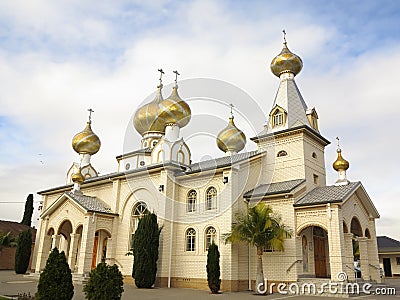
(90, 114)
(176, 77)
(161, 74)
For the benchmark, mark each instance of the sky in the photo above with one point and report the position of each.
(59, 58)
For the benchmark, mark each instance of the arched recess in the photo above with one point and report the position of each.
(315, 251)
(65, 230)
(138, 211)
(367, 233)
(99, 253)
(355, 227)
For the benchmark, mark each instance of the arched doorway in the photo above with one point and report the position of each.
(356, 230)
(315, 252)
(100, 247)
(65, 231)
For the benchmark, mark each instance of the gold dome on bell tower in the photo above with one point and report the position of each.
(286, 61)
(86, 141)
(231, 139)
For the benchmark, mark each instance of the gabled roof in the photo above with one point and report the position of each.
(224, 161)
(86, 203)
(89, 203)
(274, 188)
(387, 244)
(328, 194)
(15, 228)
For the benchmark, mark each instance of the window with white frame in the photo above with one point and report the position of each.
(191, 201)
(211, 236)
(190, 239)
(138, 212)
(211, 198)
(277, 118)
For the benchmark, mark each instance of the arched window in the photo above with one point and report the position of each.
(277, 118)
(190, 239)
(211, 198)
(191, 201)
(281, 153)
(314, 155)
(180, 157)
(211, 236)
(138, 212)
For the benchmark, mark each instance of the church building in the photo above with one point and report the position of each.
(92, 218)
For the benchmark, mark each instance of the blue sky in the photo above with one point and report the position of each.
(58, 58)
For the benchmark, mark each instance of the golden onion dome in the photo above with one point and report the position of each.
(231, 138)
(286, 62)
(147, 116)
(78, 177)
(174, 110)
(340, 164)
(86, 141)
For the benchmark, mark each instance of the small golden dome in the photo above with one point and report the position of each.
(286, 62)
(78, 177)
(174, 110)
(340, 164)
(86, 141)
(147, 116)
(231, 138)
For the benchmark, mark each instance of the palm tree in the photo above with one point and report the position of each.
(263, 229)
(7, 240)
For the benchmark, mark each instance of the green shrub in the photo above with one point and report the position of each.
(55, 281)
(213, 270)
(145, 251)
(23, 252)
(105, 283)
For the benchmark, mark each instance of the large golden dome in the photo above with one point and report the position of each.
(340, 164)
(231, 138)
(286, 62)
(86, 141)
(147, 116)
(174, 110)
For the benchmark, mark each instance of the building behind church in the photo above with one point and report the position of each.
(93, 218)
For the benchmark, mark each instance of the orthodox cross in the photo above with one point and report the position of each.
(161, 74)
(176, 77)
(337, 141)
(232, 106)
(90, 114)
(284, 36)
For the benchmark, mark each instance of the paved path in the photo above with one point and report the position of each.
(12, 284)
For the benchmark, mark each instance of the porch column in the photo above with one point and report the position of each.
(348, 242)
(337, 256)
(56, 241)
(73, 250)
(364, 263)
(40, 252)
(85, 255)
(373, 252)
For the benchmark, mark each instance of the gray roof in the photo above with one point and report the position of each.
(328, 194)
(274, 188)
(387, 244)
(219, 162)
(88, 202)
(145, 150)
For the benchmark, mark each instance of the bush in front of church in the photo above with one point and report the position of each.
(23, 252)
(105, 283)
(213, 269)
(55, 281)
(145, 251)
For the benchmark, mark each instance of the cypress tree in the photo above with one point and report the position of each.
(213, 269)
(55, 281)
(27, 219)
(145, 251)
(23, 252)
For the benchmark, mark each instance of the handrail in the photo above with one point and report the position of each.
(351, 268)
(375, 267)
(115, 261)
(292, 265)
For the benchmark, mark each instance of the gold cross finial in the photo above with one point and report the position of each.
(90, 114)
(176, 77)
(232, 106)
(161, 74)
